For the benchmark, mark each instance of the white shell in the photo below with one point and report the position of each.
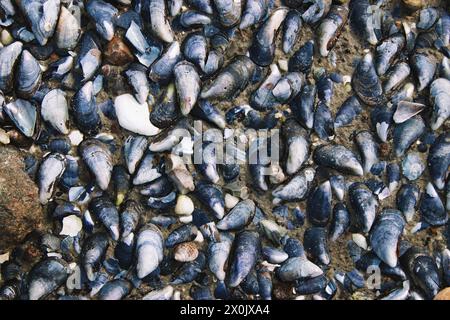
(162, 294)
(4, 257)
(133, 116)
(72, 225)
(230, 201)
(360, 240)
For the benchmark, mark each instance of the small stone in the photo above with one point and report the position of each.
(117, 53)
(199, 238)
(6, 37)
(283, 64)
(72, 225)
(244, 193)
(347, 79)
(4, 138)
(184, 206)
(230, 201)
(384, 149)
(443, 294)
(75, 137)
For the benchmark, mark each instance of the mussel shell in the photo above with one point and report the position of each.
(55, 110)
(340, 221)
(231, 80)
(319, 205)
(195, 48)
(365, 82)
(291, 29)
(406, 133)
(339, 158)
(103, 14)
(423, 270)
(431, 208)
(45, 277)
(85, 110)
(68, 30)
(330, 28)
(246, 251)
(439, 160)
(160, 26)
(137, 78)
(385, 234)
(8, 58)
(24, 115)
(315, 241)
(262, 50)
(347, 112)
(42, 17)
(99, 160)
(440, 97)
(424, 67)
(302, 59)
(363, 207)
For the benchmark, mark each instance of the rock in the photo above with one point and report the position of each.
(20, 211)
(117, 53)
(443, 294)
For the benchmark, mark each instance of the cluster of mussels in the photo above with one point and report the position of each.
(98, 92)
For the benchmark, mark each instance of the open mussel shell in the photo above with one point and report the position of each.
(8, 58)
(23, 114)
